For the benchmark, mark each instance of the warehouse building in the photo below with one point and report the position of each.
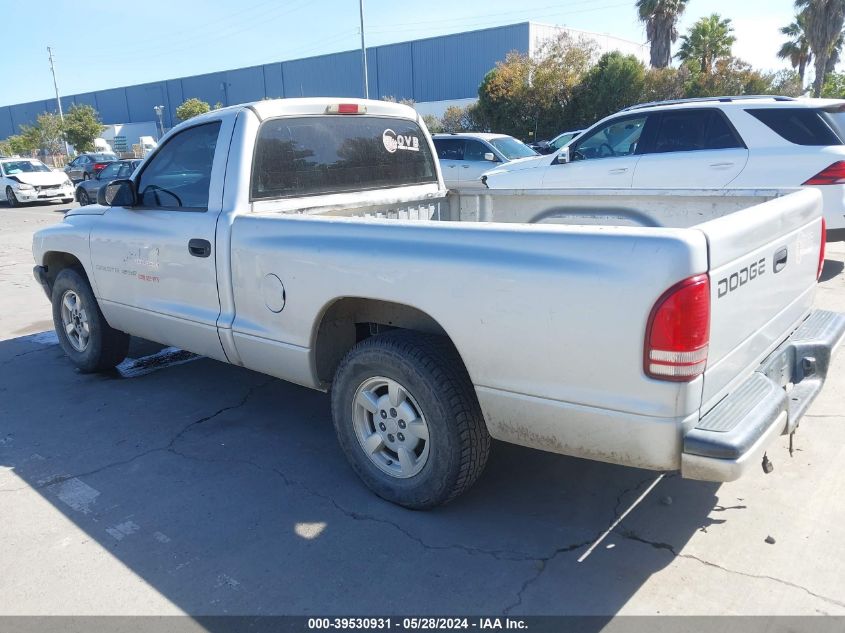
(435, 72)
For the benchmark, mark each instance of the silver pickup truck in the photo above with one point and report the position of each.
(313, 240)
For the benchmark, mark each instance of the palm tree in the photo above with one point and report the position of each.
(660, 17)
(797, 49)
(824, 20)
(708, 39)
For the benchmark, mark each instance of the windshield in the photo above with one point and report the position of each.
(563, 139)
(23, 166)
(511, 148)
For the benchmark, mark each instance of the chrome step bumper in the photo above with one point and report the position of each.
(733, 436)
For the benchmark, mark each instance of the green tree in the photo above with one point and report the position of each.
(660, 84)
(432, 123)
(615, 82)
(17, 145)
(823, 21)
(834, 86)
(46, 134)
(661, 20)
(191, 108)
(707, 41)
(458, 119)
(797, 48)
(82, 126)
(729, 76)
(526, 96)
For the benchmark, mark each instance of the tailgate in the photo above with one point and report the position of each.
(763, 263)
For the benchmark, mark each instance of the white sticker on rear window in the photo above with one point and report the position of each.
(393, 141)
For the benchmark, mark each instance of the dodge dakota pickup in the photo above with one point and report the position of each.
(313, 240)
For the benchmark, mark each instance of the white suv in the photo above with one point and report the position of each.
(719, 142)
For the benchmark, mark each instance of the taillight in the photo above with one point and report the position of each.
(346, 108)
(821, 250)
(831, 175)
(678, 331)
(99, 166)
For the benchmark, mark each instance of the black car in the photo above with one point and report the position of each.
(86, 191)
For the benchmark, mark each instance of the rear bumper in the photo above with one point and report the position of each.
(734, 435)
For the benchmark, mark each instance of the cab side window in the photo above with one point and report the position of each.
(179, 175)
(615, 138)
(693, 130)
(449, 148)
(474, 150)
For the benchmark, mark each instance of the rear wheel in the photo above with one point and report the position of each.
(11, 198)
(85, 176)
(407, 418)
(90, 343)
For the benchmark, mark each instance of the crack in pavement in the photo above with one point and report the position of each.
(167, 447)
(32, 351)
(630, 535)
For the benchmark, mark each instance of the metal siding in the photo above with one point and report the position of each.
(434, 69)
(112, 105)
(336, 75)
(7, 127)
(395, 71)
(142, 99)
(467, 56)
(273, 85)
(175, 97)
(244, 85)
(209, 88)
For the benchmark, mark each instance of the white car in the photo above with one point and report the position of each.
(719, 142)
(465, 157)
(29, 180)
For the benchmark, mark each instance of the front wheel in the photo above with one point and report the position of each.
(83, 198)
(11, 198)
(90, 343)
(407, 418)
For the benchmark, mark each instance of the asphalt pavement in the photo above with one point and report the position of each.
(183, 485)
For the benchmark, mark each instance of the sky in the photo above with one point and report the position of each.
(105, 45)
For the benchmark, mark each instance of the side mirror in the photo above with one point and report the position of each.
(563, 156)
(490, 156)
(118, 193)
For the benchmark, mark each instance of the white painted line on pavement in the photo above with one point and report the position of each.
(619, 520)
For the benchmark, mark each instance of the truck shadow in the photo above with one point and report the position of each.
(832, 267)
(225, 491)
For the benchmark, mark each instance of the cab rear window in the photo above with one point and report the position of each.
(305, 156)
(802, 126)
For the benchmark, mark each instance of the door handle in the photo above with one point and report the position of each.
(718, 165)
(199, 248)
(465, 166)
(620, 170)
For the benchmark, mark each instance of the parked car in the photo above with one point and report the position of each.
(85, 166)
(464, 157)
(25, 180)
(737, 142)
(669, 330)
(550, 147)
(86, 191)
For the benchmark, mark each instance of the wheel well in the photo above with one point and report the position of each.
(350, 320)
(55, 262)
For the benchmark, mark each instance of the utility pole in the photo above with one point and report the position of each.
(58, 101)
(364, 51)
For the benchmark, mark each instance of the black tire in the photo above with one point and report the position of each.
(431, 371)
(11, 199)
(83, 198)
(86, 176)
(67, 200)
(106, 347)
